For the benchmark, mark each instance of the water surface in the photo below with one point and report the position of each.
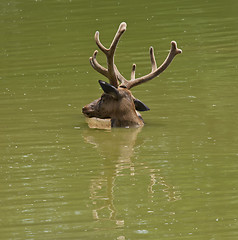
(176, 178)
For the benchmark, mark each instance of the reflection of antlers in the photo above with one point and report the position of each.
(97, 185)
(112, 72)
(172, 194)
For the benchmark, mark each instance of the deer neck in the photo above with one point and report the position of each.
(128, 119)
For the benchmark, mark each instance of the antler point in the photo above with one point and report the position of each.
(174, 44)
(151, 49)
(96, 34)
(123, 26)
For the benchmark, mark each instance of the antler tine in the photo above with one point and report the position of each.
(120, 31)
(125, 82)
(155, 71)
(101, 47)
(152, 59)
(133, 72)
(94, 63)
(112, 72)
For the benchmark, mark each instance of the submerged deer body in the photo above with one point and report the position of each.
(117, 102)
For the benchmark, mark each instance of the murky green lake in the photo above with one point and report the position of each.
(176, 178)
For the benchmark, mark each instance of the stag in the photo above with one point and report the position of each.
(117, 102)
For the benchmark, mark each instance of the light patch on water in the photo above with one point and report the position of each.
(143, 231)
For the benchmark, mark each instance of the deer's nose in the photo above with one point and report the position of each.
(88, 111)
(85, 110)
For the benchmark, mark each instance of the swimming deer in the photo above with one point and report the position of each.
(117, 102)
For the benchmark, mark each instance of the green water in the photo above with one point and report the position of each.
(176, 178)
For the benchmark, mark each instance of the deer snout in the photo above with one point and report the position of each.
(87, 111)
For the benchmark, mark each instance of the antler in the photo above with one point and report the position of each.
(154, 70)
(112, 72)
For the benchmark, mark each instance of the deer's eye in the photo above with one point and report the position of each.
(103, 99)
(100, 103)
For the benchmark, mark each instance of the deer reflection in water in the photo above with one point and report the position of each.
(119, 163)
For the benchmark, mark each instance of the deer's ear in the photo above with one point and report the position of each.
(109, 89)
(140, 106)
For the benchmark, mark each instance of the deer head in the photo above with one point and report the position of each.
(117, 102)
